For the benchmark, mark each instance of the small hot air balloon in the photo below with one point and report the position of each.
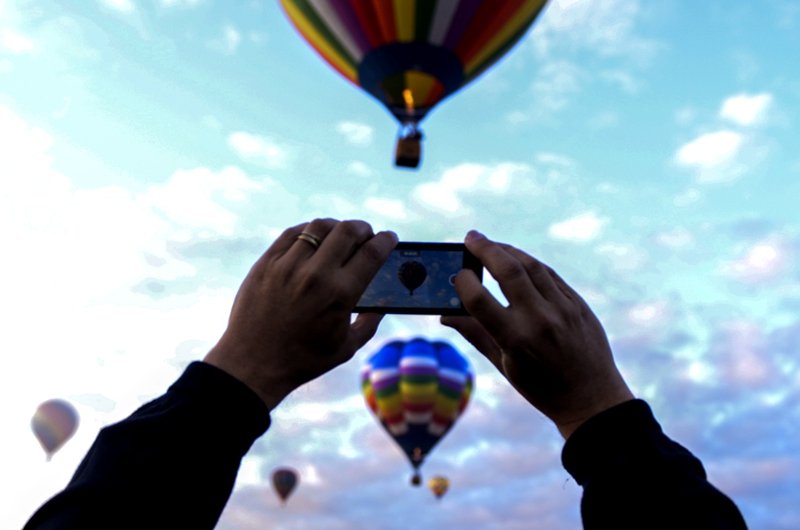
(53, 423)
(438, 485)
(284, 480)
(412, 274)
(417, 389)
(411, 54)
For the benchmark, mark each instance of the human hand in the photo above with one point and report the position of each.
(546, 342)
(290, 321)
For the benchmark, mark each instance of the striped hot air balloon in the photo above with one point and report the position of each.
(411, 54)
(417, 389)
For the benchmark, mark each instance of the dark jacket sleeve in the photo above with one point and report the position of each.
(171, 464)
(634, 476)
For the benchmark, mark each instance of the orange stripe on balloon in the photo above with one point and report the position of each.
(384, 9)
(313, 37)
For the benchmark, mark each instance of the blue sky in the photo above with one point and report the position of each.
(150, 150)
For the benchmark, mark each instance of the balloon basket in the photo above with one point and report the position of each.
(408, 152)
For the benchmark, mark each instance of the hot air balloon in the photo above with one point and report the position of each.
(284, 480)
(53, 423)
(411, 54)
(412, 274)
(438, 485)
(417, 389)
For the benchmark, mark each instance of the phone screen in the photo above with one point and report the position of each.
(418, 278)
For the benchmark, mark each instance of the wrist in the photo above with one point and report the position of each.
(270, 389)
(593, 406)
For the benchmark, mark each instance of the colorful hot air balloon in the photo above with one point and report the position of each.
(284, 480)
(53, 423)
(412, 274)
(411, 54)
(438, 485)
(417, 389)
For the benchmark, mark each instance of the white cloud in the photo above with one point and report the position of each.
(193, 199)
(443, 195)
(622, 257)
(259, 150)
(675, 238)
(355, 133)
(232, 38)
(625, 80)
(740, 354)
(607, 28)
(649, 314)
(228, 42)
(746, 109)
(763, 261)
(580, 229)
(123, 6)
(180, 3)
(391, 208)
(555, 83)
(15, 42)
(359, 168)
(710, 150)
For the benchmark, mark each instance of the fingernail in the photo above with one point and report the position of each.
(474, 235)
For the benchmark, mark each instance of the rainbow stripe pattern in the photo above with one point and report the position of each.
(411, 54)
(53, 423)
(417, 389)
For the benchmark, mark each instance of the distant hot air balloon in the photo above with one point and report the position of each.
(53, 423)
(284, 480)
(412, 274)
(411, 54)
(417, 389)
(438, 485)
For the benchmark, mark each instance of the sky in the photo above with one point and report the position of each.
(151, 150)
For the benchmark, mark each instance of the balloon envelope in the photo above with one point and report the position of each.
(53, 423)
(412, 274)
(284, 480)
(411, 54)
(417, 389)
(438, 485)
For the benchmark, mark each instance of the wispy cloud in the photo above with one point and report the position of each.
(228, 42)
(122, 6)
(746, 109)
(760, 262)
(581, 228)
(259, 150)
(710, 150)
(15, 42)
(355, 133)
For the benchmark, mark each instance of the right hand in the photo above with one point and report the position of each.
(546, 342)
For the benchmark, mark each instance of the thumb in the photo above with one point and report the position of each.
(476, 334)
(361, 331)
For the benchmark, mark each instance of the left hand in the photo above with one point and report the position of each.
(290, 321)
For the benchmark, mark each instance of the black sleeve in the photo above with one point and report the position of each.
(171, 464)
(634, 476)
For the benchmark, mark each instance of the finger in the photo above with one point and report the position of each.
(476, 334)
(509, 272)
(480, 303)
(278, 247)
(300, 250)
(342, 242)
(361, 331)
(367, 261)
(565, 288)
(539, 273)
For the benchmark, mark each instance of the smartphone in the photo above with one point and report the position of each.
(419, 279)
